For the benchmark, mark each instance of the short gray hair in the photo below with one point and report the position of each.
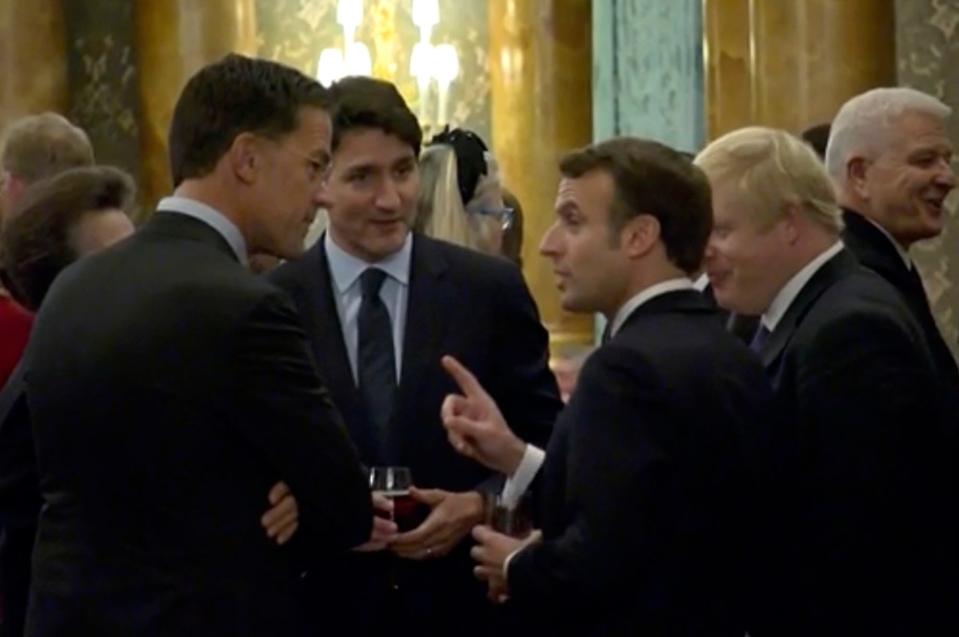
(863, 124)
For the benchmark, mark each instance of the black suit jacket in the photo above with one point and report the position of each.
(466, 304)
(874, 250)
(19, 504)
(649, 483)
(873, 504)
(169, 390)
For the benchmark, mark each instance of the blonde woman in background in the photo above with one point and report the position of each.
(461, 198)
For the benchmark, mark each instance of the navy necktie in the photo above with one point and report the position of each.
(375, 359)
(759, 338)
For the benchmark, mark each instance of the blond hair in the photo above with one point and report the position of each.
(774, 169)
(441, 211)
(40, 146)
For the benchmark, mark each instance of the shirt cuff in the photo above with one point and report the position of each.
(517, 484)
(507, 561)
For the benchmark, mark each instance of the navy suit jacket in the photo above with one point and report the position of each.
(472, 306)
(874, 250)
(169, 390)
(649, 484)
(873, 503)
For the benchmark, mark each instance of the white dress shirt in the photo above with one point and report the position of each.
(345, 270)
(211, 217)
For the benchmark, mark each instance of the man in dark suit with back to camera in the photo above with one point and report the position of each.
(382, 305)
(649, 477)
(889, 157)
(170, 389)
(868, 547)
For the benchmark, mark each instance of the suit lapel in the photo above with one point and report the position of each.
(430, 301)
(323, 322)
(828, 274)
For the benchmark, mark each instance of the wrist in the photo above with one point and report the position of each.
(513, 456)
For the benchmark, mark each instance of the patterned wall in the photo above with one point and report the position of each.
(102, 78)
(296, 31)
(648, 71)
(927, 48)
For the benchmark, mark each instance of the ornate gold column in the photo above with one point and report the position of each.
(540, 60)
(33, 65)
(174, 39)
(791, 64)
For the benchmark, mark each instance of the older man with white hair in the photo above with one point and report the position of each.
(889, 158)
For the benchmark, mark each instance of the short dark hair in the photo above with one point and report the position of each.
(818, 137)
(653, 179)
(36, 244)
(235, 95)
(366, 102)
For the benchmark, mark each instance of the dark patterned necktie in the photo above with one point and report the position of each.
(375, 359)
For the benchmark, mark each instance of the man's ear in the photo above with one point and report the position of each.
(639, 235)
(857, 177)
(791, 222)
(245, 157)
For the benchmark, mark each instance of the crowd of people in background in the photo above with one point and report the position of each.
(763, 442)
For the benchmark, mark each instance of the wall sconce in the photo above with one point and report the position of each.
(429, 64)
(354, 57)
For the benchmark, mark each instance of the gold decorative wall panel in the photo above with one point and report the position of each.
(33, 67)
(540, 59)
(792, 63)
(175, 38)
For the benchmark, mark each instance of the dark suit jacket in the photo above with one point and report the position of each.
(478, 309)
(648, 483)
(19, 504)
(874, 250)
(169, 390)
(874, 499)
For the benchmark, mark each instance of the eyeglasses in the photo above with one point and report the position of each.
(504, 215)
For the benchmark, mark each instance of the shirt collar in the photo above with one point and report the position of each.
(701, 282)
(788, 293)
(624, 312)
(346, 268)
(211, 217)
(903, 253)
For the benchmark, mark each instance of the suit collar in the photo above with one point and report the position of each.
(830, 272)
(210, 216)
(644, 296)
(876, 237)
(788, 293)
(174, 224)
(686, 301)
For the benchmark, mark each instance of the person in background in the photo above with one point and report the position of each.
(512, 247)
(817, 137)
(461, 198)
(33, 147)
(55, 222)
(889, 158)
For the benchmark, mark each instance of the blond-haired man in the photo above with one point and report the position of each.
(865, 545)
